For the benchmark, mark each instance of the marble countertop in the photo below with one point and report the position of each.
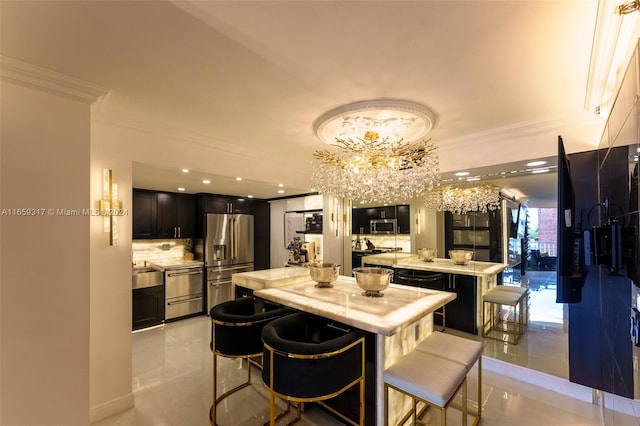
(270, 278)
(413, 261)
(400, 306)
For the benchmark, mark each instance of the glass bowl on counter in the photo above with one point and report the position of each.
(461, 257)
(427, 254)
(373, 280)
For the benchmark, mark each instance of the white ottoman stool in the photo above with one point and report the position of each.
(427, 378)
(460, 350)
(512, 329)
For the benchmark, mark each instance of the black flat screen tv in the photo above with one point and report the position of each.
(570, 277)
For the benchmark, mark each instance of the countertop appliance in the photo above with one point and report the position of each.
(183, 291)
(383, 226)
(228, 249)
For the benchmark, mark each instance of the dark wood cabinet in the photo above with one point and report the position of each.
(361, 218)
(186, 215)
(261, 235)
(359, 221)
(212, 203)
(163, 215)
(480, 232)
(166, 218)
(148, 307)
(404, 219)
(144, 214)
(461, 312)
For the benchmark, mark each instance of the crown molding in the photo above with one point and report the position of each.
(510, 133)
(42, 78)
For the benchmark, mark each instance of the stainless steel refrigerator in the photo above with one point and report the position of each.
(228, 249)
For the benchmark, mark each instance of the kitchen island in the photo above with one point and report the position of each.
(470, 282)
(393, 324)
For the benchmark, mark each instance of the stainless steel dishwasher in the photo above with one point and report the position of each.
(183, 291)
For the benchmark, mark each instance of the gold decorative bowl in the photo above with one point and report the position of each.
(373, 280)
(324, 273)
(461, 257)
(427, 254)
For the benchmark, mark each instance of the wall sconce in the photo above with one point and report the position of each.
(418, 220)
(109, 206)
(346, 217)
(334, 216)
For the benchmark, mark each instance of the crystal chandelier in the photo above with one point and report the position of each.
(374, 156)
(461, 200)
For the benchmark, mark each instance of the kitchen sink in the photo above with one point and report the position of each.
(146, 276)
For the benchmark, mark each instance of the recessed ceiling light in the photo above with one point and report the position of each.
(185, 170)
(249, 196)
(540, 171)
(238, 178)
(473, 179)
(206, 181)
(181, 189)
(280, 185)
(462, 174)
(280, 191)
(536, 163)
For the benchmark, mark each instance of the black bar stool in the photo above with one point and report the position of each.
(307, 359)
(236, 332)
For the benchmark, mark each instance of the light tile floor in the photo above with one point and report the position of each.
(172, 386)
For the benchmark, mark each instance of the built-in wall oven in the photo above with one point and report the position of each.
(219, 282)
(183, 291)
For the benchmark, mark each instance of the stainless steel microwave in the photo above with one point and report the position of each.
(383, 226)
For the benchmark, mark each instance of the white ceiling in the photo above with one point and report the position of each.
(248, 78)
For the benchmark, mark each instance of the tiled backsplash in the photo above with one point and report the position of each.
(157, 250)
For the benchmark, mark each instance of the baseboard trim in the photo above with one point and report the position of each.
(112, 407)
(559, 385)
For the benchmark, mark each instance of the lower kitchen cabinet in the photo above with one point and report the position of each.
(148, 307)
(461, 312)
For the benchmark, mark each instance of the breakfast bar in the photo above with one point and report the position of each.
(470, 281)
(393, 323)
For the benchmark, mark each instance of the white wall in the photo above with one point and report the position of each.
(110, 343)
(44, 259)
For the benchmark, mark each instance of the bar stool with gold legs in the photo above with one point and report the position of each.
(236, 331)
(426, 378)
(307, 359)
(500, 326)
(461, 350)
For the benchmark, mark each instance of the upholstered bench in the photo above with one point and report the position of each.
(428, 378)
(506, 330)
(463, 351)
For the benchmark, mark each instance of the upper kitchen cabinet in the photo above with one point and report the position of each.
(176, 215)
(163, 215)
(144, 214)
(362, 217)
(404, 220)
(211, 203)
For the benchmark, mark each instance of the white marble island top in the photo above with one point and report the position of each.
(400, 306)
(413, 261)
(268, 278)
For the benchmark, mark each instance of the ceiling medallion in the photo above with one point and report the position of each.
(375, 154)
(460, 200)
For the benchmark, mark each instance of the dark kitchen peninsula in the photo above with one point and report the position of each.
(469, 282)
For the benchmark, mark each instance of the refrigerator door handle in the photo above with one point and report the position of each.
(232, 232)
